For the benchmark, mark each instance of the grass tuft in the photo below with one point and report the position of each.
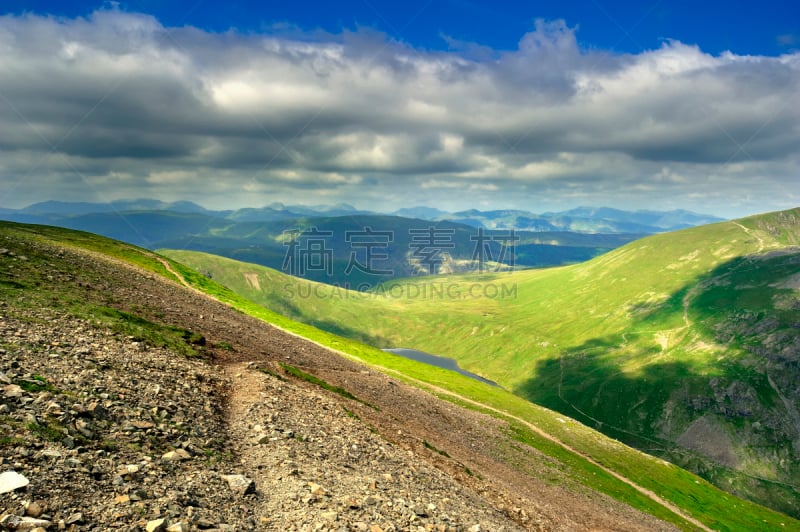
(432, 448)
(300, 374)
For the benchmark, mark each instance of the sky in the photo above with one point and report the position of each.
(453, 104)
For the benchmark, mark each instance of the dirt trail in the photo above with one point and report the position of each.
(250, 340)
(751, 233)
(164, 262)
(241, 398)
(316, 467)
(644, 491)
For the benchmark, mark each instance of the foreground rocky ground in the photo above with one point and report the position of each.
(112, 432)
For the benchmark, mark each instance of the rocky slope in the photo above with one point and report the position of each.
(115, 429)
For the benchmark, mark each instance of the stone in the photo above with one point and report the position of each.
(12, 391)
(74, 519)
(84, 428)
(191, 448)
(130, 469)
(330, 516)
(139, 495)
(35, 509)
(178, 527)
(176, 456)
(51, 453)
(240, 484)
(351, 502)
(156, 525)
(316, 489)
(97, 411)
(11, 480)
(14, 522)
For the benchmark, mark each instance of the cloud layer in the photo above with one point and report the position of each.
(117, 105)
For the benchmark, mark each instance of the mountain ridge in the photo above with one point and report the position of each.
(580, 219)
(675, 341)
(140, 303)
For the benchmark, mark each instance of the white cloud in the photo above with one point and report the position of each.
(228, 118)
(439, 183)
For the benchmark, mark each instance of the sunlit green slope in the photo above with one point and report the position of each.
(26, 282)
(686, 344)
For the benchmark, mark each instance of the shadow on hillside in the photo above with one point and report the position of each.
(337, 328)
(740, 304)
(285, 307)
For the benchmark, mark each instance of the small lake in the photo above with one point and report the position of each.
(439, 362)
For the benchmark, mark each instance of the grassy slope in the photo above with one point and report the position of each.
(554, 310)
(632, 338)
(695, 496)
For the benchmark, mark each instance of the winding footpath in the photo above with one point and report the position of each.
(442, 391)
(644, 491)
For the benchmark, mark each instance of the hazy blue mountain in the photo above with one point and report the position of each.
(422, 213)
(584, 220)
(340, 209)
(64, 208)
(144, 228)
(633, 220)
(270, 213)
(259, 234)
(580, 219)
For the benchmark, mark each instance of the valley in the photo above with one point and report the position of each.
(682, 344)
(374, 266)
(572, 478)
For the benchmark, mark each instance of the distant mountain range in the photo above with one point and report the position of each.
(583, 220)
(580, 220)
(259, 235)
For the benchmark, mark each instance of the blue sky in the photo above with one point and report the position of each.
(760, 28)
(455, 104)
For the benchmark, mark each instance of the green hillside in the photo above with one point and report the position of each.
(581, 453)
(684, 344)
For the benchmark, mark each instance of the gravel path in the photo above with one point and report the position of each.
(122, 435)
